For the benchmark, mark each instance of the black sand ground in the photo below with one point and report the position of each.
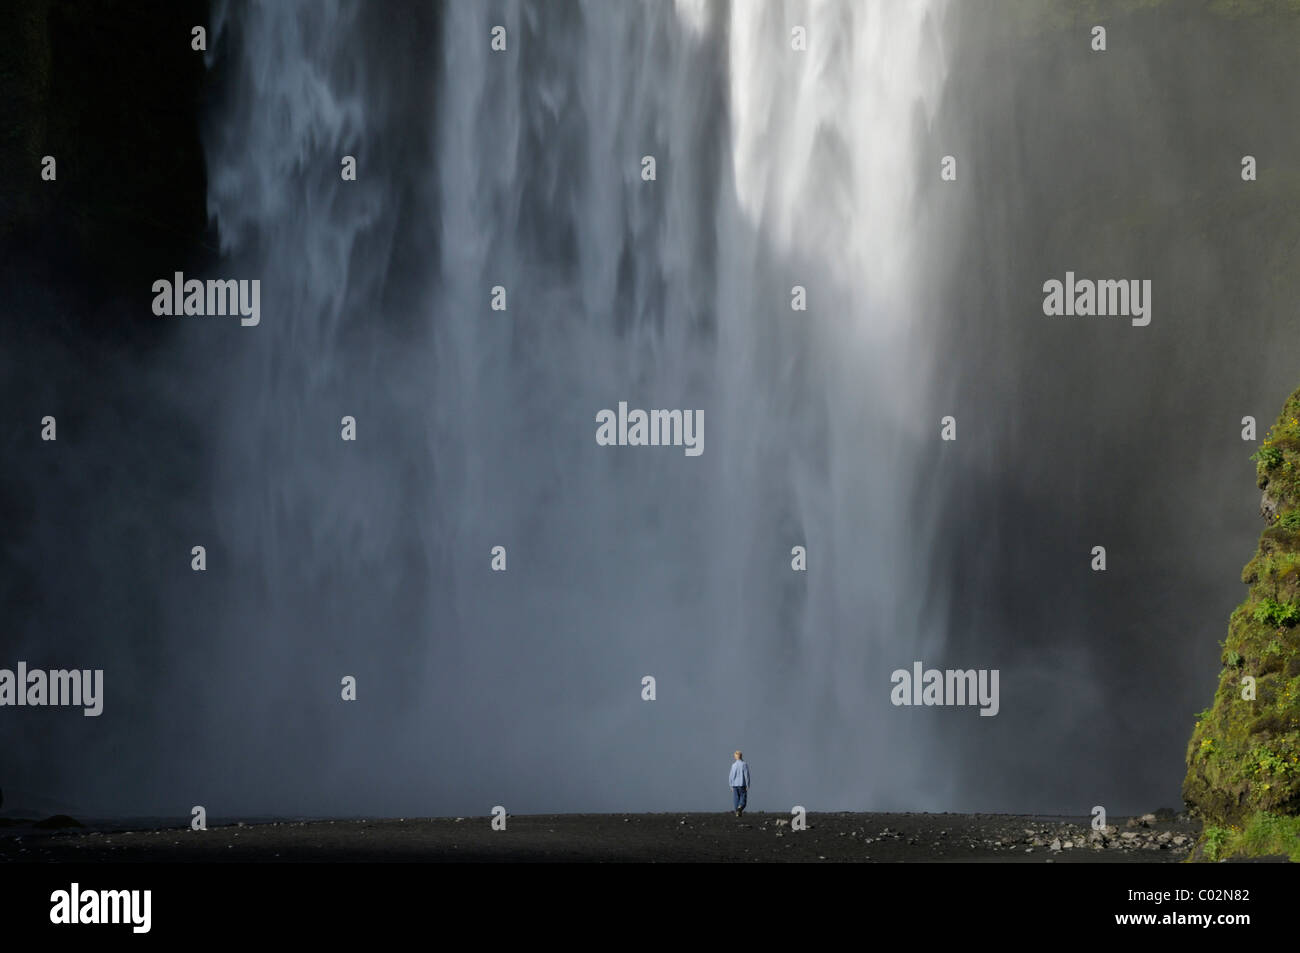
(876, 838)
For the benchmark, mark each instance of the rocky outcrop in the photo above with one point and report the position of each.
(1243, 760)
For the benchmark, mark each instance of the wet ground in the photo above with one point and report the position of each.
(841, 837)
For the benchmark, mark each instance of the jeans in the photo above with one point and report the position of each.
(738, 796)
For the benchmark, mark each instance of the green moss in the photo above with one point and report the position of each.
(1243, 758)
(1213, 841)
(1264, 834)
(1276, 614)
(1268, 457)
(1276, 464)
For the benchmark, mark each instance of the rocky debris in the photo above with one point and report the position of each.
(1268, 507)
(1140, 833)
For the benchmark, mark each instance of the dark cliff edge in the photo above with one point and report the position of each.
(113, 91)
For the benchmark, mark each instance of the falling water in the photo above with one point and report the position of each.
(476, 428)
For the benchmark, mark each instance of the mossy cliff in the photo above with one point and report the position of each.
(1243, 760)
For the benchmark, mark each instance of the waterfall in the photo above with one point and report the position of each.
(476, 428)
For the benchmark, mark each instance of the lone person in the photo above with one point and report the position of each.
(739, 781)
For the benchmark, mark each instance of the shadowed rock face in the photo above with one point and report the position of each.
(1244, 755)
(112, 91)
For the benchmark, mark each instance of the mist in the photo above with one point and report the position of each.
(475, 428)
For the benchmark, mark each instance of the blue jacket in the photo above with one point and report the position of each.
(739, 777)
